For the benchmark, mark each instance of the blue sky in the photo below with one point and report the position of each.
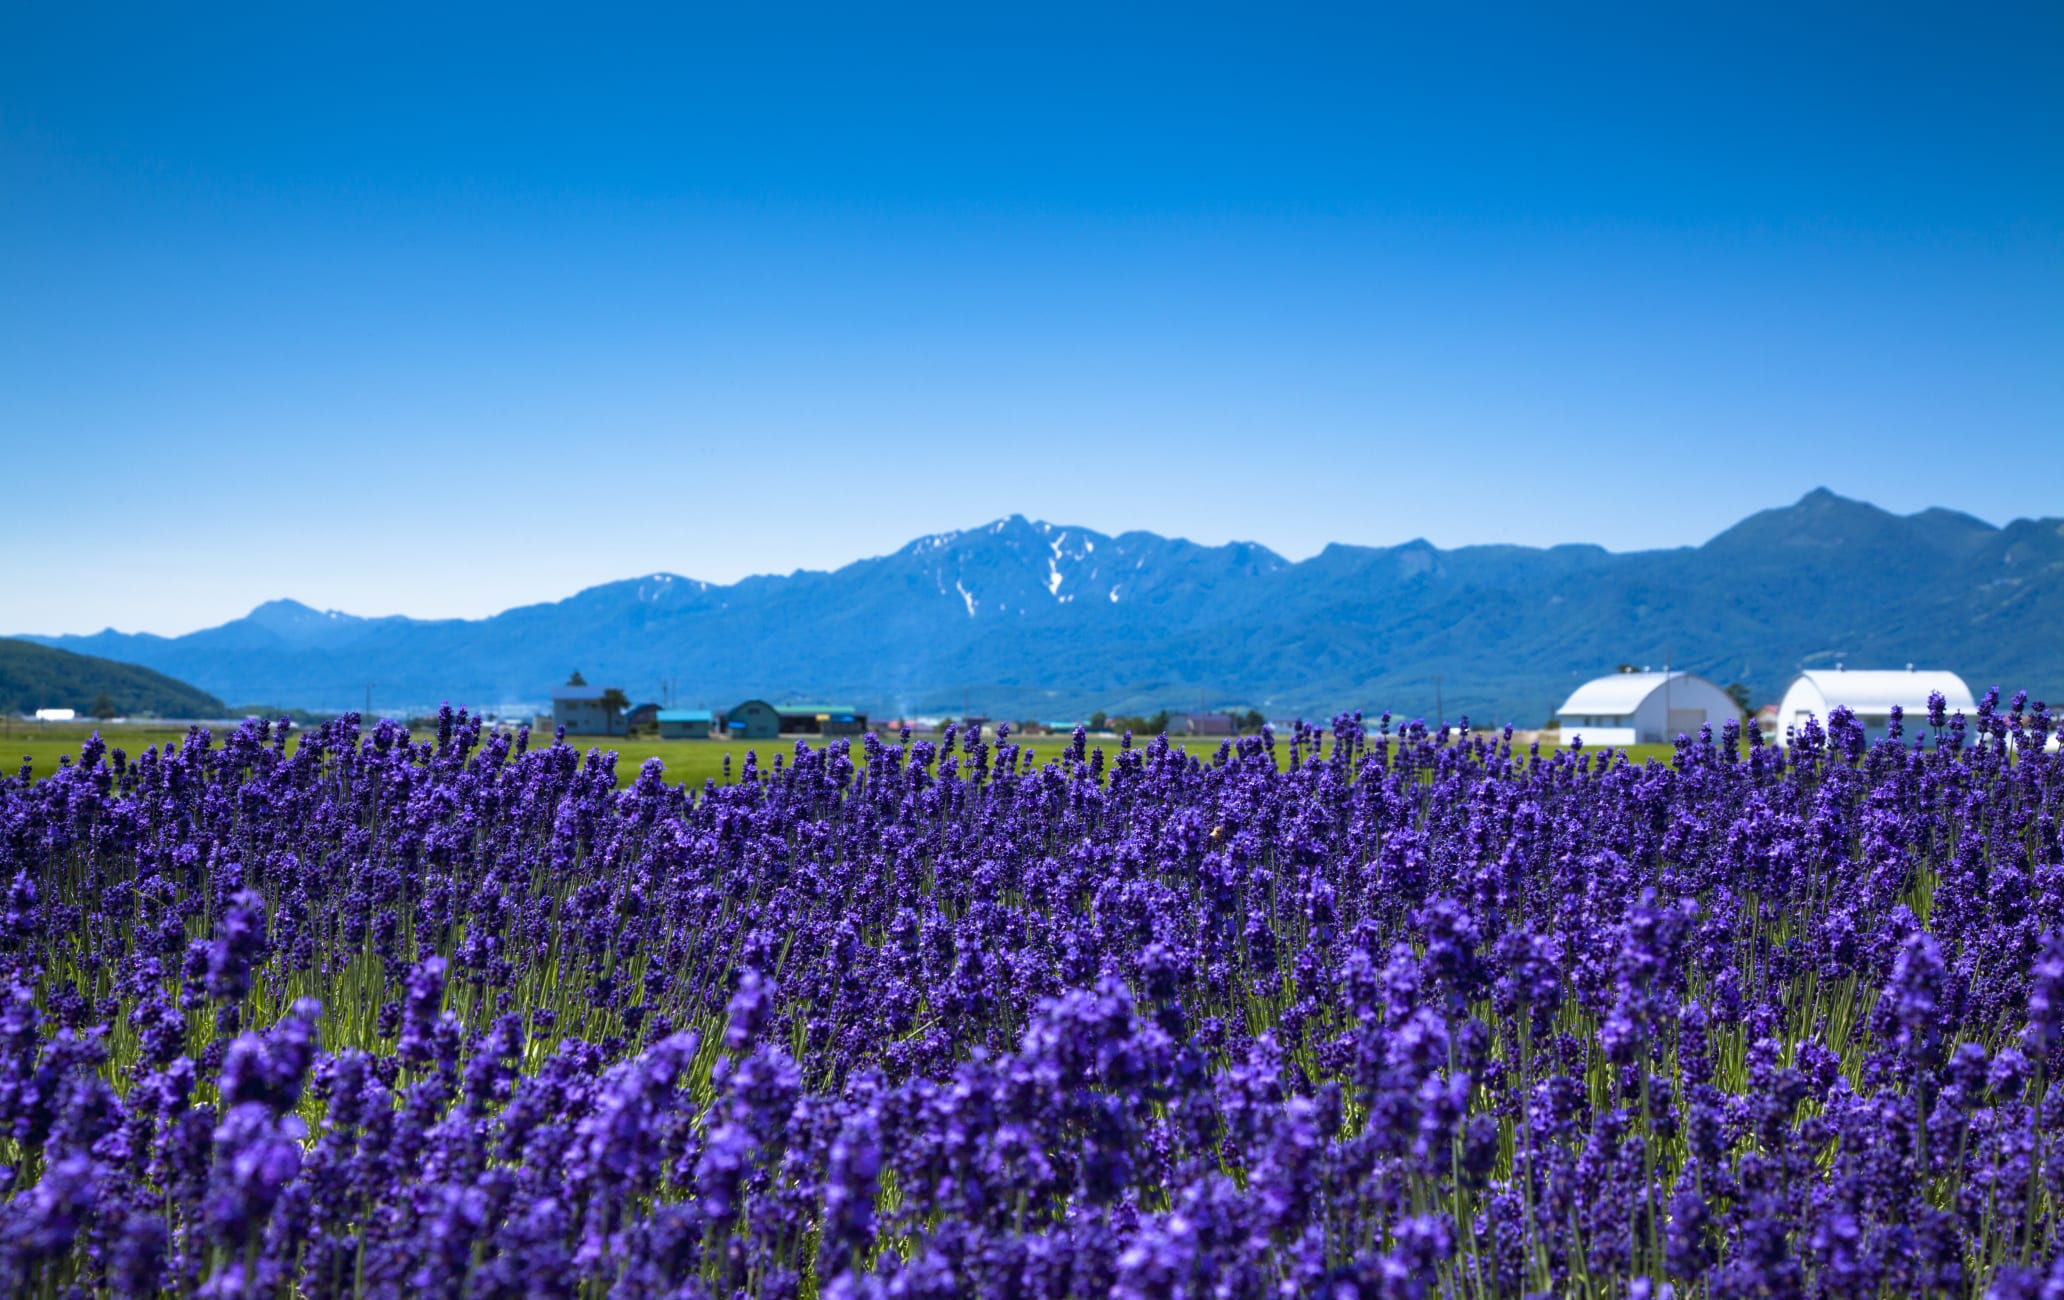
(436, 315)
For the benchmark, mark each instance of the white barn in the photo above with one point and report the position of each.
(1870, 695)
(1643, 708)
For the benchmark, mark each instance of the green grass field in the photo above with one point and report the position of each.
(685, 760)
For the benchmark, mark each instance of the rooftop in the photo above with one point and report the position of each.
(1616, 693)
(1876, 690)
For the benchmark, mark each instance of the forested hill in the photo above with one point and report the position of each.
(39, 677)
(1021, 618)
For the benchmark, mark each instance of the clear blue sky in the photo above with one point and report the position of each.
(398, 311)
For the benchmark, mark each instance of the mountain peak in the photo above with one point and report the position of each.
(286, 615)
(1820, 519)
(1823, 520)
(284, 607)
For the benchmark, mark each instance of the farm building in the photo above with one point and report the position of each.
(684, 724)
(580, 710)
(1870, 695)
(821, 719)
(753, 720)
(644, 715)
(1643, 708)
(1200, 724)
(759, 720)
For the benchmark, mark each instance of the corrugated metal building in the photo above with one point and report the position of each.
(753, 720)
(1643, 708)
(1870, 693)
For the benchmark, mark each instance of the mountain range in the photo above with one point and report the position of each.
(1022, 618)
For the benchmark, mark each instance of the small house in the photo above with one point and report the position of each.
(644, 715)
(1643, 708)
(1871, 694)
(1200, 724)
(684, 724)
(581, 711)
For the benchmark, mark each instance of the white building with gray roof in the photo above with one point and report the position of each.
(1643, 708)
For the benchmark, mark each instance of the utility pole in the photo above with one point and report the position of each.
(1440, 714)
(368, 715)
(1669, 736)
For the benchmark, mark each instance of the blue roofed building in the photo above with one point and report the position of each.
(685, 724)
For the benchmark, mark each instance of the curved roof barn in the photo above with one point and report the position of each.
(1871, 693)
(1643, 708)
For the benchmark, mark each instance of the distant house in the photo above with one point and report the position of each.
(1870, 695)
(644, 715)
(1200, 724)
(684, 724)
(580, 710)
(1643, 708)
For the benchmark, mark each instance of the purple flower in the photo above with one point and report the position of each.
(751, 1008)
(420, 1009)
(239, 945)
(256, 1155)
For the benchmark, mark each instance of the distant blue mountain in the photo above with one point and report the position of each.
(1029, 619)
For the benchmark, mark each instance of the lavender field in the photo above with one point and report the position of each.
(453, 1015)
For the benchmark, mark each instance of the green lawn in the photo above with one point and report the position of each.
(685, 760)
(42, 745)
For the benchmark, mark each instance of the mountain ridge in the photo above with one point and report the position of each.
(34, 676)
(1022, 617)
